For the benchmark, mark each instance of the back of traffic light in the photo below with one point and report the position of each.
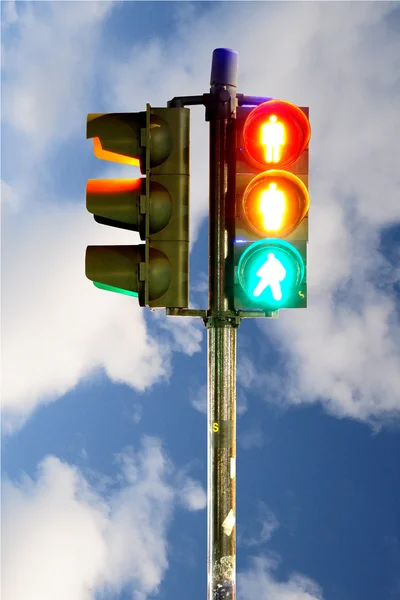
(156, 206)
(272, 202)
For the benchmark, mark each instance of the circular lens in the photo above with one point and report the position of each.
(275, 134)
(275, 202)
(270, 273)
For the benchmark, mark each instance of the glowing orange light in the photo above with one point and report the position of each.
(275, 202)
(272, 207)
(112, 186)
(272, 137)
(113, 156)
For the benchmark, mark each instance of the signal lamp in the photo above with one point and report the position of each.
(271, 273)
(274, 203)
(156, 206)
(275, 134)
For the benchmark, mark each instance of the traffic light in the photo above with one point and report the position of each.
(156, 206)
(272, 202)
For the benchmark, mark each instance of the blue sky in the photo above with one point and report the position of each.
(104, 457)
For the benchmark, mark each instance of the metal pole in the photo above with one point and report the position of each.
(221, 320)
(221, 551)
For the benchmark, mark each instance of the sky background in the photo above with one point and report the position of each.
(104, 457)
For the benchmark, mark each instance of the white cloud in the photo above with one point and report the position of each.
(192, 495)
(200, 284)
(198, 399)
(53, 536)
(57, 326)
(62, 540)
(49, 68)
(186, 332)
(241, 403)
(246, 372)
(137, 413)
(253, 438)
(259, 581)
(266, 524)
(9, 197)
(347, 357)
(9, 14)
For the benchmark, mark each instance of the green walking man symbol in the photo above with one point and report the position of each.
(271, 273)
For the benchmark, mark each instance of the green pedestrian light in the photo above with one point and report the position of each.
(270, 273)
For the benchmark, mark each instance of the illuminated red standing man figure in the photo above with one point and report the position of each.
(273, 137)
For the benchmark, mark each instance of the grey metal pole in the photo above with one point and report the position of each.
(221, 552)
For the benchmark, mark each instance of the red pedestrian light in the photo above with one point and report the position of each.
(275, 134)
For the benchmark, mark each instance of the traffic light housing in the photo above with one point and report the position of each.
(156, 206)
(271, 207)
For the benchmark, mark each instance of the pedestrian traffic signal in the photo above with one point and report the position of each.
(156, 206)
(272, 202)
